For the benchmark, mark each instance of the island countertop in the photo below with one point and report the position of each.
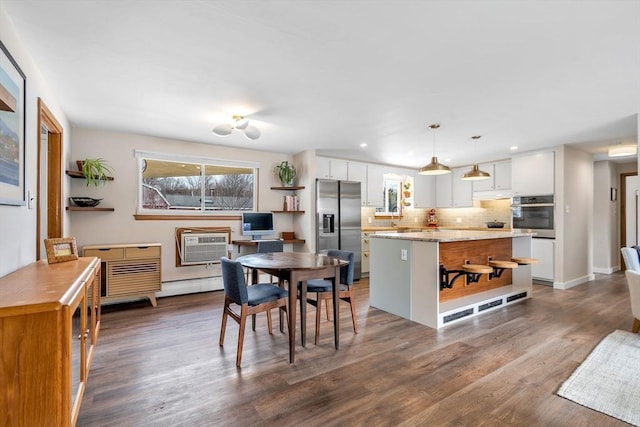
(450, 235)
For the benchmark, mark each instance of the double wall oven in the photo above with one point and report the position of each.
(534, 214)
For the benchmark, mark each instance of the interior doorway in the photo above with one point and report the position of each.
(49, 182)
(629, 227)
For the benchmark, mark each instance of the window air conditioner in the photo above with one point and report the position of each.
(203, 248)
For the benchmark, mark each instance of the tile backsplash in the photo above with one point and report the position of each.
(483, 211)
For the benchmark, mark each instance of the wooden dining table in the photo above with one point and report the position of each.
(294, 268)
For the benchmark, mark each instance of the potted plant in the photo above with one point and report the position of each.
(95, 171)
(286, 172)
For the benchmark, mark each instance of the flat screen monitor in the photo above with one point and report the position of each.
(257, 224)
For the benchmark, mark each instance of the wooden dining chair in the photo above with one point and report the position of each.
(323, 290)
(251, 299)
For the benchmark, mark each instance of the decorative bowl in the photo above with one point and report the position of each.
(85, 202)
(495, 224)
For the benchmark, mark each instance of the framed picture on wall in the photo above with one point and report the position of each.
(61, 249)
(12, 130)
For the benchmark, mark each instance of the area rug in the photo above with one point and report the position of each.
(608, 380)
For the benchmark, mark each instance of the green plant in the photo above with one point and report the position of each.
(286, 172)
(95, 171)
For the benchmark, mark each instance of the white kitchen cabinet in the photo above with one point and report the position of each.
(365, 252)
(444, 191)
(533, 174)
(462, 190)
(500, 177)
(544, 251)
(424, 191)
(371, 178)
(331, 168)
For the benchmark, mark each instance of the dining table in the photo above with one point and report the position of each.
(296, 268)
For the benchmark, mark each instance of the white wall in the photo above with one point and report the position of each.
(606, 218)
(120, 226)
(18, 223)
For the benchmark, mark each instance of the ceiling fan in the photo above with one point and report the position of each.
(239, 123)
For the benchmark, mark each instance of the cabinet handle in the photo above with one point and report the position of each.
(366, 241)
(143, 247)
(104, 249)
(366, 255)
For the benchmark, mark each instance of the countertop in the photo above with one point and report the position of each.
(451, 235)
(425, 228)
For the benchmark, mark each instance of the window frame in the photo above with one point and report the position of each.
(141, 155)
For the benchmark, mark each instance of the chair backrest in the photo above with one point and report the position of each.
(270, 246)
(346, 272)
(235, 286)
(631, 258)
(633, 281)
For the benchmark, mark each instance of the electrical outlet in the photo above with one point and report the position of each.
(458, 220)
(403, 254)
(415, 219)
(369, 219)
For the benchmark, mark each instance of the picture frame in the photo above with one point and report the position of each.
(12, 138)
(61, 249)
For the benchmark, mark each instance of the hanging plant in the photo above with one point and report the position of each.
(286, 172)
(95, 171)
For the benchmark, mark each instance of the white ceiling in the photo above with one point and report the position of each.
(330, 75)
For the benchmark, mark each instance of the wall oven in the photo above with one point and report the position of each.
(534, 214)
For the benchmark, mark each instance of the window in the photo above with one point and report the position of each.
(392, 197)
(180, 184)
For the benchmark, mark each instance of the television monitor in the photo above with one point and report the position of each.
(257, 224)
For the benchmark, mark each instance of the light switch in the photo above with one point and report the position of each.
(403, 254)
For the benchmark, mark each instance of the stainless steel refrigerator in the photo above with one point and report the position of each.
(338, 218)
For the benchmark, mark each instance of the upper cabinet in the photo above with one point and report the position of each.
(424, 191)
(462, 190)
(371, 178)
(500, 177)
(444, 191)
(533, 174)
(331, 168)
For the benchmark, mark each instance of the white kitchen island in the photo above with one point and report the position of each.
(411, 274)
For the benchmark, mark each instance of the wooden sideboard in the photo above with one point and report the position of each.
(129, 270)
(49, 324)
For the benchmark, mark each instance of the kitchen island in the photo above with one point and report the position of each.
(422, 276)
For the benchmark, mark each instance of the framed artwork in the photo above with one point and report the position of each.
(61, 249)
(12, 130)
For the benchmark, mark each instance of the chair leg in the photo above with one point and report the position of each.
(636, 326)
(318, 310)
(327, 303)
(223, 328)
(269, 322)
(253, 322)
(243, 322)
(353, 312)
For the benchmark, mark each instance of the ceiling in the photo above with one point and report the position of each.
(330, 75)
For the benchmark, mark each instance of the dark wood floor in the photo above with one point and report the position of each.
(163, 366)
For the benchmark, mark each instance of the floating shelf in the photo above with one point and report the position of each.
(293, 212)
(288, 188)
(78, 174)
(78, 208)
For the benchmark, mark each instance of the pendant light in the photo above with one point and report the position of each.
(434, 168)
(475, 174)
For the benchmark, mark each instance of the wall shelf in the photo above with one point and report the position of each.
(88, 209)
(292, 188)
(293, 212)
(78, 174)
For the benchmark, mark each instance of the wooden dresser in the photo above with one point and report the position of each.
(129, 269)
(49, 324)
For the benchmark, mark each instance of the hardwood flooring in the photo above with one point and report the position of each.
(163, 366)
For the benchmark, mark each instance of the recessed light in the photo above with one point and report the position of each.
(513, 147)
(363, 144)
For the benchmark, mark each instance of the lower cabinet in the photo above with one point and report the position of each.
(365, 253)
(130, 270)
(544, 251)
(49, 324)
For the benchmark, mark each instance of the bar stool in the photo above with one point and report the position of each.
(499, 266)
(524, 261)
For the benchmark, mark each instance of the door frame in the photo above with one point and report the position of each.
(54, 174)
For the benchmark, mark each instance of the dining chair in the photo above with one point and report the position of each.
(633, 281)
(263, 247)
(323, 290)
(251, 299)
(631, 258)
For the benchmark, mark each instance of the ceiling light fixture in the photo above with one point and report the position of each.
(475, 174)
(239, 123)
(623, 150)
(434, 168)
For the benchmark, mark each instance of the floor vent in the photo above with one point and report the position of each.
(458, 315)
(516, 296)
(488, 305)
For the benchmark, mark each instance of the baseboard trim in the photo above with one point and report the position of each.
(574, 282)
